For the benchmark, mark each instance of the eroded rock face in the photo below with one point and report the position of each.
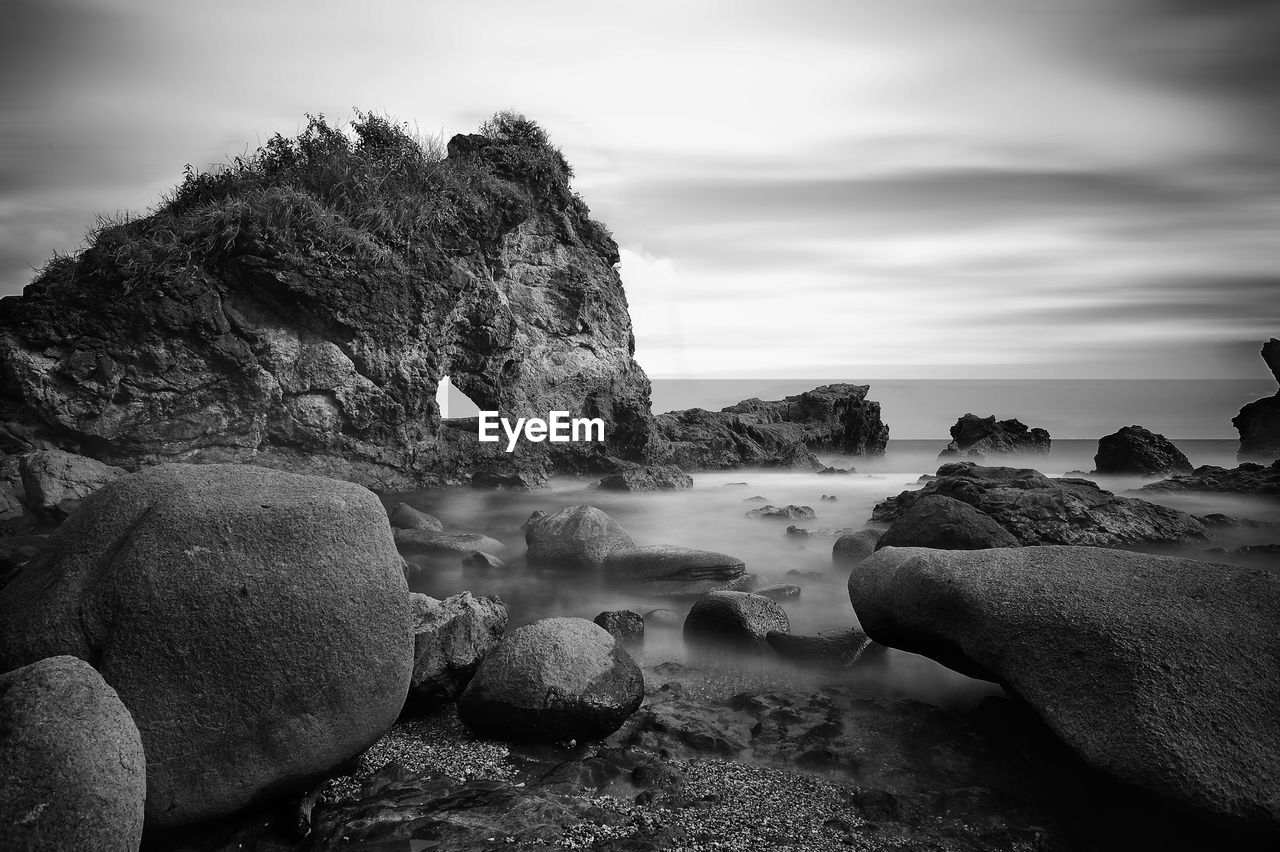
(1259, 422)
(1162, 672)
(1134, 449)
(977, 437)
(327, 361)
(781, 433)
(1038, 510)
(255, 623)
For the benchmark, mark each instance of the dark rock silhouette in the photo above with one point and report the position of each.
(976, 437)
(1134, 449)
(1259, 422)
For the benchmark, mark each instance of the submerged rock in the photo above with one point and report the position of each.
(942, 522)
(555, 679)
(72, 771)
(1247, 478)
(255, 623)
(977, 437)
(574, 537)
(788, 513)
(1259, 422)
(428, 543)
(779, 591)
(1135, 450)
(1161, 672)
(666, 570)
(1038, 510)
(479, 559)
(737, 620)
(651, 478)
(450, 639)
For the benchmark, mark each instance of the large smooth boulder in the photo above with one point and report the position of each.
(852, 547)
(451, 637)
(735, 620)
(1038, 510)
(945, 523)
(574, 537)
(1159, 671)
(72, 772)
(666, 570)
(254, 622)
(977, 437)
(1135, 450)
(55, 481)
(555, 679)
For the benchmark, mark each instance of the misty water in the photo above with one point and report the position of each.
(712, 516)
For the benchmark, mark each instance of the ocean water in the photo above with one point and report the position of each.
(712, 516)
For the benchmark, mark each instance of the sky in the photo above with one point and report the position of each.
(888, 188)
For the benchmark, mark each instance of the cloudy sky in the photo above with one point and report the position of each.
(886, 188)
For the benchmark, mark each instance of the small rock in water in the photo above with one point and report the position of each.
(507, 481)
(797, 532)
(652, 478)
(441, 544)
(667, 619)
(779, 591)
(828, 498)
(406, 517)
(853, 547)
(838, 470)
(478, 559)
(666, 570)
(736, 485)
(790, 513)
(575, 537)
(756, 499)
(1135, 450)
(623, 624)
(737, 620)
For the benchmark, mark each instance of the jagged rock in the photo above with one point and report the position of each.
(651, 478)
(738, 620)
(1135, 450)
(623, 624)
(405, 517)
(782, 433)
(665, 570)
(789, 513)
(1162, 672)
(480, 559)
(72, 772)
(779, 592)
(555, 679)
(1247, 478)
(318, 345)
(942, 522)
(976, 437)
(574, 537)
(425, 542)
(1259, 421)
(55, 481)
(836, 649)
(450, 639)
(853, 547)
(1038, 510)
(254, 622)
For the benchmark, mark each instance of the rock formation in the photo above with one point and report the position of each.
(942, 522)
(1259, 422)
(269, 313)
(1134, 449)
(977, 437)
(1247, 478)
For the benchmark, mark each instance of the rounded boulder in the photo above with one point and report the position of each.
(574, 537)
(737, 620)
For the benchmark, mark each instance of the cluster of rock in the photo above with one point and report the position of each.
(977, 437)
(1246, 478)
(1259, 422)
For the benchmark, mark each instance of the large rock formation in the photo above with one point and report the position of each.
(254, 622)
(1162, 672)
(1259, 422)
(271, 313)
(977, 437)
(781, 433)
(1135, 450)
(1040, 510)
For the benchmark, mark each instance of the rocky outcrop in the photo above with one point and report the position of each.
(782, 433)
(1038, 510)
(1162, 672)
(450, 639)
(665, 570)
(942, 522)
(72, 772)
(555, 679)
(269, 314)
(576, 537)
(647, 478)
(1248, 478)
(976, 437)
(1259, 422)
(255, 623)
(1134, 450)
(734, 620)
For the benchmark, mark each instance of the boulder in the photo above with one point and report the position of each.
(555, 679)
(736, 620)
(1134, 450)
(427, 543)
(779, 592)
(1246, 478)
(652, 478)
(853, 547)
(254, 622)
(450, 639)
(478, 559)
(575, 537)
(405, 517)
(1161, 672)
(788, 513)
(72, 772)
(665, 570)
(55, 481)
(936, 520)
(623, 624)
(1259, 421)
(663, 619)
(1039, 510)
(976, 437)
(835, 649)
